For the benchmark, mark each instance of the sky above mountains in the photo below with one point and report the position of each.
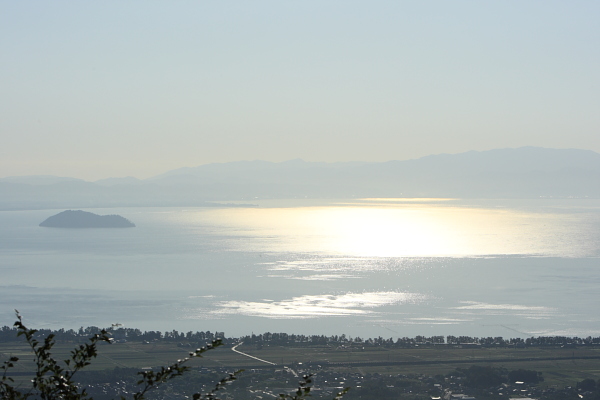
(94, 90)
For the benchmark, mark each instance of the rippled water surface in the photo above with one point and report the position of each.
(369, 267)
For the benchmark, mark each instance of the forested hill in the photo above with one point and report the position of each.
(84, 219)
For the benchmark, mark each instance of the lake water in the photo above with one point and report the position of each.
(369, 267)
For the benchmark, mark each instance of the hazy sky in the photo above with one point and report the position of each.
(116, 88)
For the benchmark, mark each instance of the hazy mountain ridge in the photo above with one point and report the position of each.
(501, 173)
(38, 179)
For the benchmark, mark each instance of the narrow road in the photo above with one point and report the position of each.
(248, 355)
(261, 360)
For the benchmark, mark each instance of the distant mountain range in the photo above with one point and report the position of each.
(526, 172)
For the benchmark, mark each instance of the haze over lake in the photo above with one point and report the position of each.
(191, 120)
(368, 267)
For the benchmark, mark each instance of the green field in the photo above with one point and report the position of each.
(560, 366)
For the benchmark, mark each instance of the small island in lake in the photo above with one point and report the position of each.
(84, 219)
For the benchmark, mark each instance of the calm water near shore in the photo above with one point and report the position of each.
(369, 267)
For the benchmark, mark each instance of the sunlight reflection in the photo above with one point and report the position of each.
(394, 228)
(529, 312)
(311, 306)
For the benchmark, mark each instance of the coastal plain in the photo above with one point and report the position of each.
(560, 366)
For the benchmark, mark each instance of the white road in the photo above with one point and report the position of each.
(248, 355)
(261, 360)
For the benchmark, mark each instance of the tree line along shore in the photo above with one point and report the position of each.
(9, 334)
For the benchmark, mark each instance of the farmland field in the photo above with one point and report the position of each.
(560, 366)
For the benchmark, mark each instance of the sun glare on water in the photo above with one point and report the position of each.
(383, 232)
(395, 228)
